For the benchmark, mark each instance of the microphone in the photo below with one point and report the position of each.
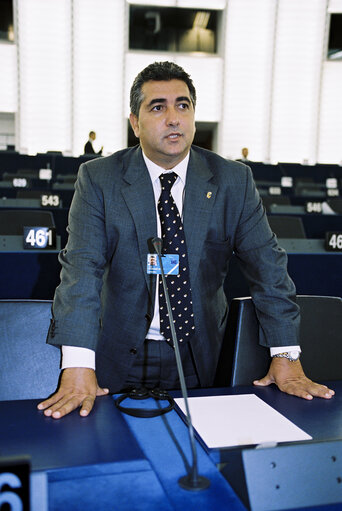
(192, 481)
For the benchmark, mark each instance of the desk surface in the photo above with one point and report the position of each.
(320, 418)
(103, 437)
(77, 448)
(159, 445)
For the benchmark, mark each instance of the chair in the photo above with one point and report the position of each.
(13, 221)
(287, 226)
(308, 187)
(30, 173)
(29, 368)
(336, 204)
(270, 200)
(66, 178)
(24, 193)
(320, 340)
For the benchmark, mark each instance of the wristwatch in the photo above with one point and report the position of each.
(292, 356)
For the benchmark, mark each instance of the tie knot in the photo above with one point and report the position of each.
(168, 180)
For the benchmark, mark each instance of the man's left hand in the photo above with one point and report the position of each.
(290, 378)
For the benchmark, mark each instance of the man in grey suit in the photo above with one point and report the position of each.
(106, 311)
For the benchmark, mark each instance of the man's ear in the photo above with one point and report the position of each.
(133, 119)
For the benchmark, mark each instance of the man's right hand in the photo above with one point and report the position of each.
(78, 388)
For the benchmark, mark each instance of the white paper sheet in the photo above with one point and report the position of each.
(228, 421)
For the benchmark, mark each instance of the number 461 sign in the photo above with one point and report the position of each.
(40, 238)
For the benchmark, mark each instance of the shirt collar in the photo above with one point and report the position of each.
(154, 170)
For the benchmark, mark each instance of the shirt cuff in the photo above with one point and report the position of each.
(281, 349)
(74, 356)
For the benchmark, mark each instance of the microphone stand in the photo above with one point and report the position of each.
(192, 481)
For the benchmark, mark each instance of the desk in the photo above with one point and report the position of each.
(307, 469)
(109, 461)
(320, 418)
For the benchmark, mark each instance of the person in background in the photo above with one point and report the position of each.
(88, 148)
(244, 152)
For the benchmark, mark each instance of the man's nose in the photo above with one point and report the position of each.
(172, 118)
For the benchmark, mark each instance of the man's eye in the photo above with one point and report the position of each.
(183, 106)
(157, 108)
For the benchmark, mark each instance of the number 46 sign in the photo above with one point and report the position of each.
(333, 241)
(40, 238)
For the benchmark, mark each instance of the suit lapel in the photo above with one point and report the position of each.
(200, 194)
(139, 198)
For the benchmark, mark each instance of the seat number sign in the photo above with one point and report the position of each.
(39, 238)
(50, 201)
(333, 241)
(313, 207)
(15, 484)
(20, 182)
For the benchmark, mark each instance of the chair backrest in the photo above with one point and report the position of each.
(24, 193)
(269, 200)
(336, 204)
(12, 221)
(287, 226)
(320, 339)
(29, 368)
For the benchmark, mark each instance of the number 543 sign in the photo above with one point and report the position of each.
(40, 238)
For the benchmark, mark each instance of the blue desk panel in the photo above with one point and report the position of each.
(29, 274)
(313, 274)
(316, 274)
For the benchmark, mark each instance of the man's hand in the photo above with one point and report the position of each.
(78, 387)
(290, 378)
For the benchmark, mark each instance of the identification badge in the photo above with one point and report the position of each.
(170, 264)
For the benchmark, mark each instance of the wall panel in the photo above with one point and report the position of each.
(98, 73)
(44, 67)
(247, 77)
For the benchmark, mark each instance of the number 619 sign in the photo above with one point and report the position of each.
(40, 238)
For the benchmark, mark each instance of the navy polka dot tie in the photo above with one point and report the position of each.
(178, 285)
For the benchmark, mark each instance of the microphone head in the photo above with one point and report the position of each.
(157, 244)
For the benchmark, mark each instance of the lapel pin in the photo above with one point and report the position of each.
(209, 194)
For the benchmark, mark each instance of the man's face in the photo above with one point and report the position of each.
(166, 122)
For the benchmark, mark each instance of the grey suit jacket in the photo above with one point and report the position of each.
(105, 300)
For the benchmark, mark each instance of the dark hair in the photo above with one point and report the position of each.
(158, 71)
